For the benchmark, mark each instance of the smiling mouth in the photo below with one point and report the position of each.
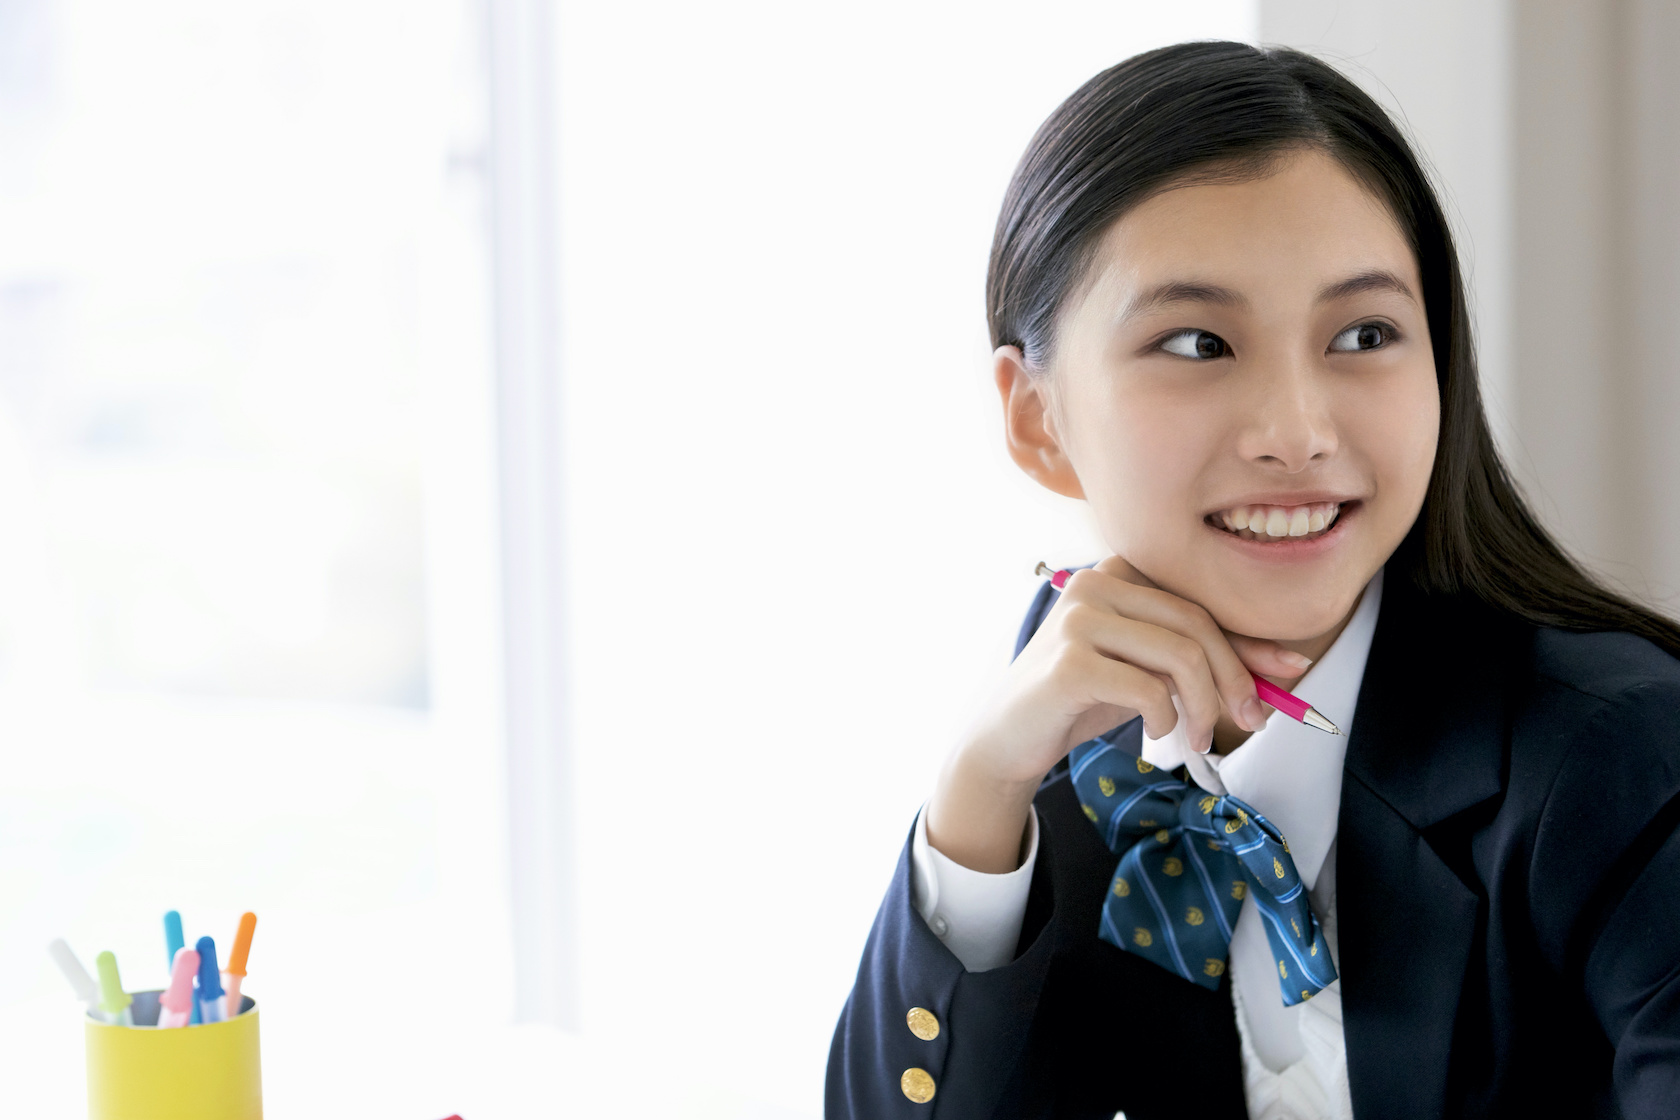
(1279, 523)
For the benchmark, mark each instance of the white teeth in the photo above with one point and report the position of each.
(1277, 521)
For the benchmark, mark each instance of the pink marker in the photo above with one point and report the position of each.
(175, 1004)
(1286, 702)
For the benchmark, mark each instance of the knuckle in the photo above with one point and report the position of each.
(1082, 582)
(1078, 616)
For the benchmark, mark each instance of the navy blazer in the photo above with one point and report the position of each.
(1508, 909)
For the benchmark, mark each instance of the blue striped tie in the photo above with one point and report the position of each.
(1187, 859)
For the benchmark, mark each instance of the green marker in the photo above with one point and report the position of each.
(113, 1001)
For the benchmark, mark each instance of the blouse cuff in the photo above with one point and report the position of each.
(977, 916)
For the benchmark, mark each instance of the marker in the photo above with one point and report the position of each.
(113, 1001)
(209, 982)
(173, 939)
(175, 1004)
(236, 962)
(1286, 702)
(71, 965)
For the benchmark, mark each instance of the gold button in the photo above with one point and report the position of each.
(924, 1024)
(917, 1085)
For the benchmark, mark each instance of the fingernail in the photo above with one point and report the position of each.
(1293, 660)
(1254, 716)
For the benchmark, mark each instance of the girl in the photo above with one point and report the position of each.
(1228, 314)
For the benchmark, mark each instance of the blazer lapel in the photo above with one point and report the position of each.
(1427, 743)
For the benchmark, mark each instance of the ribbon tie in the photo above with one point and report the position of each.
(1187, 860)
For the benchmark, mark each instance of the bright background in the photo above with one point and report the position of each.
(252, 608)
(510, 490)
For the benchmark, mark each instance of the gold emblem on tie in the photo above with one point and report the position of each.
(1294, 926)
(1173, 866)
(1193, 916)
(1162, 836)
(1314, 949)
(1142, 938)
(1283, 971)
(1144, 767)
(1238, 890)
(1090, 812)
(1207, 804)
(1305, 994)
(1277, 866)
(1149, 824)
(1106, 784)
(1213, 967)
(1122, 888)
(1213, 845)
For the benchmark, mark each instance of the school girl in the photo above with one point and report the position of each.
(1228, 315)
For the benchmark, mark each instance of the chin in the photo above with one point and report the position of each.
(1290, 619)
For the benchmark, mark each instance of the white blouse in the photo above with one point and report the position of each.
(1294, 1058)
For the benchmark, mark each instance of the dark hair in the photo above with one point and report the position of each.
(1217, 108)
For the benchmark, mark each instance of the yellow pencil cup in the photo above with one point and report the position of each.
(208, 1072)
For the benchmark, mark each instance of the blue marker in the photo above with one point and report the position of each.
(209, 986)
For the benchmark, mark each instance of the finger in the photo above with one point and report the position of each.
(1260, 655)
(1163, 652)
(1127, 686)
(1121, 568)
(1170, 612)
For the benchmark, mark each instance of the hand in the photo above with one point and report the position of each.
(1115, 646)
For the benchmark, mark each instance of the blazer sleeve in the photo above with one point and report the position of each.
(984, 1018)
(1607, 858)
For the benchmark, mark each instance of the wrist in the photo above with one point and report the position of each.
(977, 817)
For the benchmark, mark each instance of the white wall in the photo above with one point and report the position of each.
(798, 550)
(1550, 126)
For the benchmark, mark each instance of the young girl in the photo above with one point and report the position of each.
(1228, 314)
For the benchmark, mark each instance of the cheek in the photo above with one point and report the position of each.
(1401, 431)
(1138, 467)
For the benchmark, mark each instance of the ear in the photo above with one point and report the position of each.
(1029, 424)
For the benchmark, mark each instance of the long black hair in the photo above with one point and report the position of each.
(1220, 108)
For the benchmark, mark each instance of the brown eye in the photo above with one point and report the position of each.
(1366, 336)
(1197, 345)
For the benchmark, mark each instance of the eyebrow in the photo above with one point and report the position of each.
(1375, 280)
(1193, 291)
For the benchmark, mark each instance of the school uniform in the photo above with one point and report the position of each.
(1501, 895)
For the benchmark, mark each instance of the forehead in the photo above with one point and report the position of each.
(1306, 218)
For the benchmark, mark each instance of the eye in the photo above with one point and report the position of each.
(1198, 345)
(1366, 336)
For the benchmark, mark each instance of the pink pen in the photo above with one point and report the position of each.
(175, 1004)
(1286, 702)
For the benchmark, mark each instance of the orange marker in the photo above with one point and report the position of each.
(236, 961)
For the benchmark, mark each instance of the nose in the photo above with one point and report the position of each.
(1288, 425)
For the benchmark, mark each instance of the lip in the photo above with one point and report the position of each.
(1281, 498)
(1290, 550)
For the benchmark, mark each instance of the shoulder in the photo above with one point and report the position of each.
(1614, 667)
(1609, 700)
